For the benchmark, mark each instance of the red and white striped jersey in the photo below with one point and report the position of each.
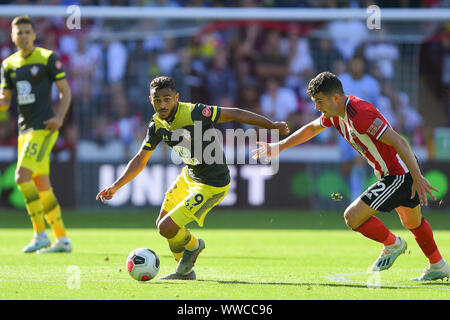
(362, 126)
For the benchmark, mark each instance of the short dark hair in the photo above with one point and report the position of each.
(162, 82)
(22, 20)
(325, 82)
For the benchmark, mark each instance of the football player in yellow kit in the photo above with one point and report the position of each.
(31, 71)
(201, 184)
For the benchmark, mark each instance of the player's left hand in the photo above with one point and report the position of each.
(422, 187)
(53, 124)
(282, 126)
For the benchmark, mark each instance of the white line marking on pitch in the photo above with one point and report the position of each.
(342, 277)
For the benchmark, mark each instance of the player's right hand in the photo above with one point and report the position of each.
(268, 150)
(106, 194)
(422, 188)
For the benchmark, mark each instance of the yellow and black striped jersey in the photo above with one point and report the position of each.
(32, 77)
(192, 135)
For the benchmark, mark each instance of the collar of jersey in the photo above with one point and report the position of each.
(29, 55)
(346, 104)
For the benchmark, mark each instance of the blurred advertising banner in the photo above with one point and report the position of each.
(296, 185)
(62, 178)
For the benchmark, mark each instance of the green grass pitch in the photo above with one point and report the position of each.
(249, 255)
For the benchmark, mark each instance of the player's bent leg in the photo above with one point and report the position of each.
(23, 178)
(181, 240)
(167, 227)
(361, 218)
(175, 248)
(198, 201)
(413, 220)
(357, 213)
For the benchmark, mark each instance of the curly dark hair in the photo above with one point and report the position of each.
(162, 82)
(325, 82)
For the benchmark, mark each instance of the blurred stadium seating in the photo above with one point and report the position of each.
(264, 66)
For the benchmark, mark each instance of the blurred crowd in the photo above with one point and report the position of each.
(240, 3)
(260, 66)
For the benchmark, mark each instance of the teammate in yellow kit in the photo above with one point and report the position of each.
(31, 71)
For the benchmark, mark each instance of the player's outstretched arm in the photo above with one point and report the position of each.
(248, 117)
(133, 168)
(5, 99)
(65, 96)
(305, 133)
(421, 186)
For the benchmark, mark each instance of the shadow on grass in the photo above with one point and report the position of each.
(308, 285)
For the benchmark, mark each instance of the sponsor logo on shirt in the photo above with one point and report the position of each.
(24, 95)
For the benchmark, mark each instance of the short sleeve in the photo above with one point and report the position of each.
(5, 79)
(325, 122)
(206, 114)
(152, 139)
(371, 122)
(55, 68)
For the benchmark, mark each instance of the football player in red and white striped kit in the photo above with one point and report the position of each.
(400, 186)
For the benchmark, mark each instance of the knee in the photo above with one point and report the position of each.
(42, 183)
(162, 214)
(167, 228)
(22, 176)
(411, 224)
(351, 218)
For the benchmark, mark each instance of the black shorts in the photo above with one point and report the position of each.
(391, 192)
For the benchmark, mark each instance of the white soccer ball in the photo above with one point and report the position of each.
(143, 264)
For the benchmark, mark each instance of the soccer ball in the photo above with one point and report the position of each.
(143, 264)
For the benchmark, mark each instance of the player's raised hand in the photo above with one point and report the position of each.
(53, 124)
(283, 127)
(422, 187)
(106, 194)
(268, 150)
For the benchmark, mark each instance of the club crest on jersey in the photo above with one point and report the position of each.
(207, 111)
(34, 70)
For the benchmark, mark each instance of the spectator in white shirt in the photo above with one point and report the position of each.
(348, 35)
(278, 102)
